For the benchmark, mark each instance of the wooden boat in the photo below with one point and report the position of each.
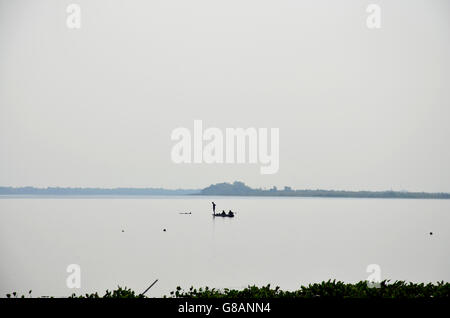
(225, 215)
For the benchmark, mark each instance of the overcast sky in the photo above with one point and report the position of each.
(357, 108)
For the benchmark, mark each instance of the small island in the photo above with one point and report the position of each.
(238, 188)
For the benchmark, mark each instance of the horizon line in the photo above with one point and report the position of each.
(202, 188)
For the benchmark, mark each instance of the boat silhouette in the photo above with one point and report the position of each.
(225, 215)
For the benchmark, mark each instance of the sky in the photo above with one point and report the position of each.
(356, 108)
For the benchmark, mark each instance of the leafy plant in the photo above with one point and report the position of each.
(328, 289)
(117, 293)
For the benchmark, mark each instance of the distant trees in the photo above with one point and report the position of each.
(92, 191)
(238, 188)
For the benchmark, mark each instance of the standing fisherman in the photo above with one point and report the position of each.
(214, 207)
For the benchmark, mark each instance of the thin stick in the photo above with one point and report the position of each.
(149, 287)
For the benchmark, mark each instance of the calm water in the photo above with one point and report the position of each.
(282, 241)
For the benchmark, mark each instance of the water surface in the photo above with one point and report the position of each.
(282, 241)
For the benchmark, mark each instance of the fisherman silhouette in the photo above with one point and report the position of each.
(214, 207)
(223, 212)
(230, 213)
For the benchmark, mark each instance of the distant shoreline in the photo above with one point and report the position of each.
(192, 196)
(236, 189)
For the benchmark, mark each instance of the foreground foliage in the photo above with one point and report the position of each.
(334, 289)
(118, 293)
(329, 289)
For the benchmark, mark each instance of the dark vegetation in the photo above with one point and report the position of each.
(333, 289)
(92, 191)
(236, 188)
(117, 293)
(241, 189)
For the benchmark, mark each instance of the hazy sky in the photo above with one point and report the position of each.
(357, 108)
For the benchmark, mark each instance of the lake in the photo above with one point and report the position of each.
(286, 242)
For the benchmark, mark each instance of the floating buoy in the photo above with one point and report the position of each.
(164, 230)
(431, 233)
